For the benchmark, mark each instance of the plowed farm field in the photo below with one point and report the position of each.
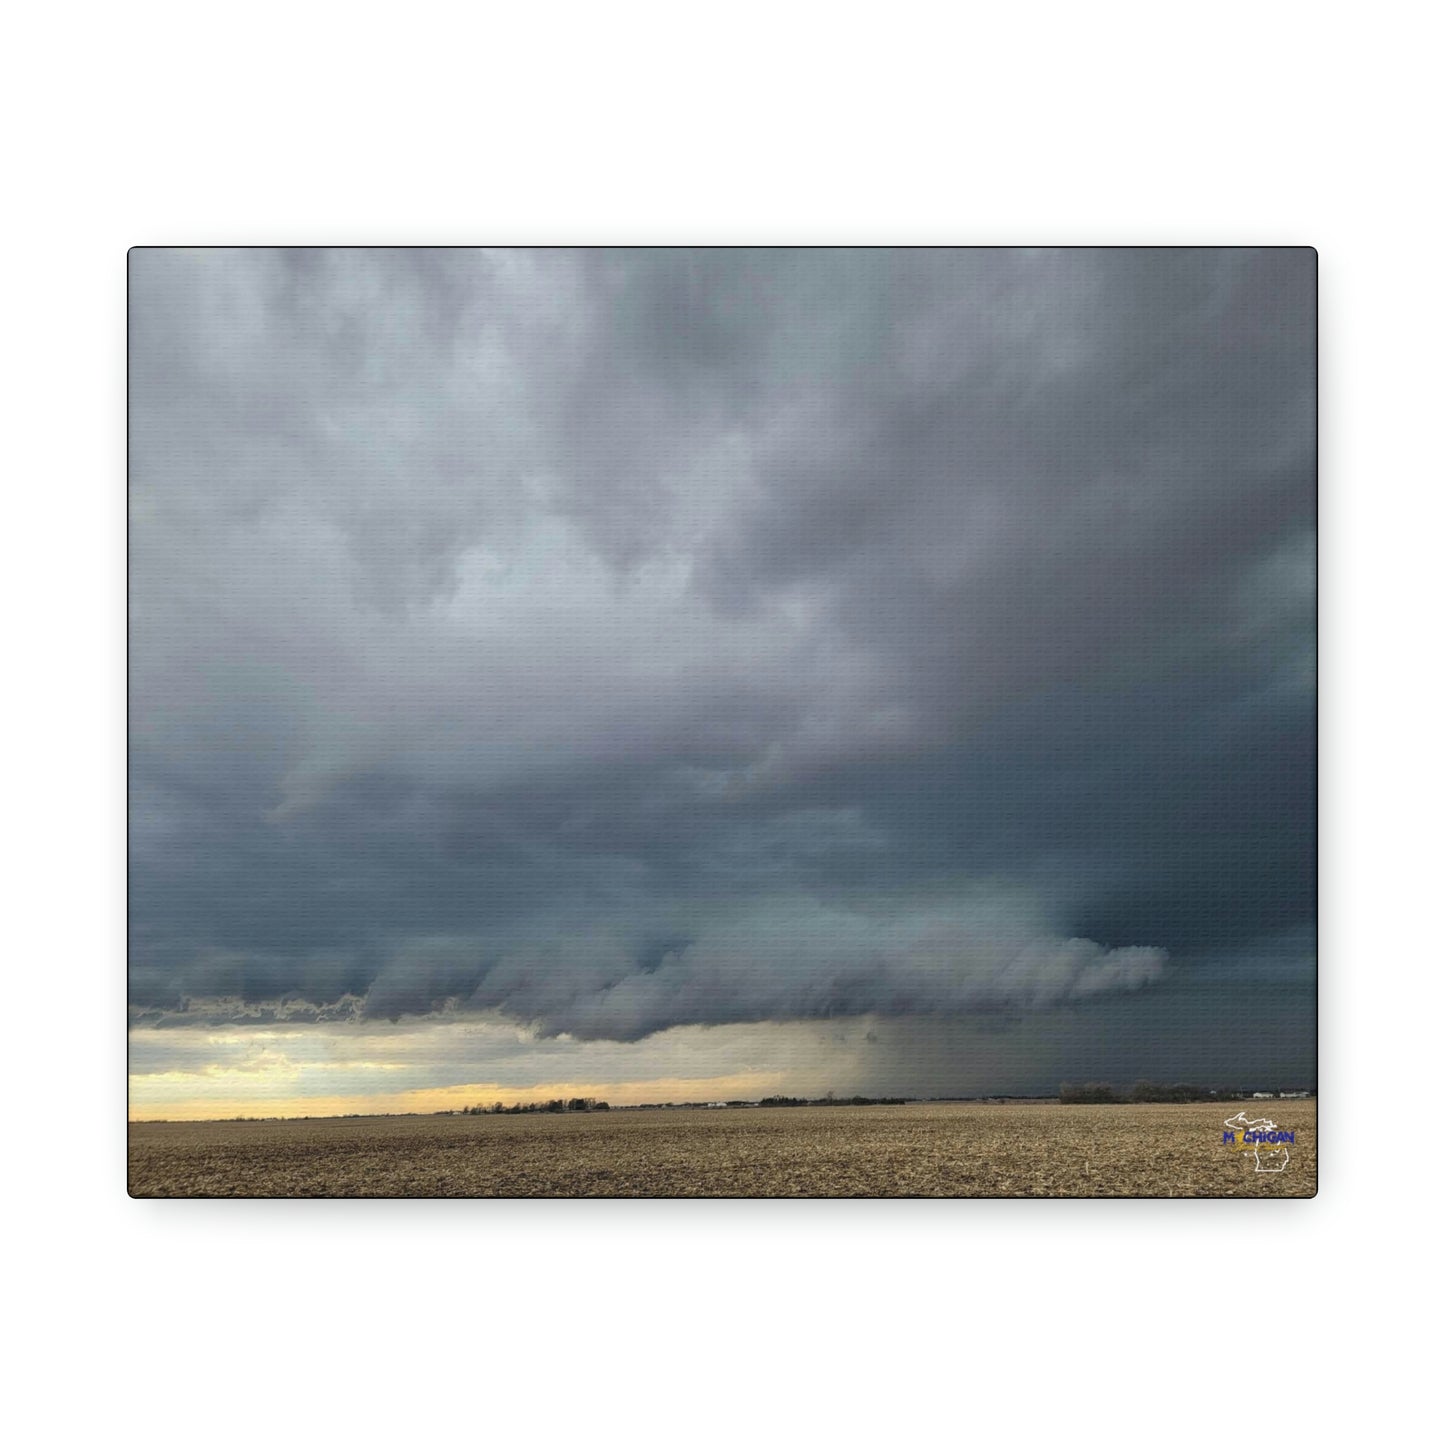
(986, 1150)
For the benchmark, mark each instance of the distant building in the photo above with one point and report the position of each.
(1263, 1096)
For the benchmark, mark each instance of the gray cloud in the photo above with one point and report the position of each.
(621, 640)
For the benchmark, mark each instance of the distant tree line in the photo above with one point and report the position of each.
(785, 1101)
(552, 1106)
(588, 1106)
(1143, 1092)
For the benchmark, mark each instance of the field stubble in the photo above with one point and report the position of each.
(948, 1150)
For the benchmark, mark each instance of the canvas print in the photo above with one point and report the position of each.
(775, 722)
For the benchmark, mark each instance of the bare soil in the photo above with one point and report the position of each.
(950, 1150)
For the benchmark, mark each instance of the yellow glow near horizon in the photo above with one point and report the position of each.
(262, 1103)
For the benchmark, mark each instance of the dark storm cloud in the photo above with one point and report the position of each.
(621, 640)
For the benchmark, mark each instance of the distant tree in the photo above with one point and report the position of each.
(1145, 1092)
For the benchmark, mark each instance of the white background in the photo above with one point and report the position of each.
(296, 123)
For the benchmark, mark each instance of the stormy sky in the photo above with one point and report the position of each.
(684, 670)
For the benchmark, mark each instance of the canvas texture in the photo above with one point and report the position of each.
(779, 722)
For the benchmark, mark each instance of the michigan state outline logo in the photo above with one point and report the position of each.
(1269, 1144)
